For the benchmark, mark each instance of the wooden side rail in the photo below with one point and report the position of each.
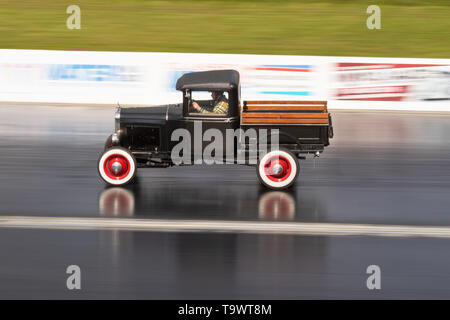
(284, 121)
(286, 102)
(282, 115)
(318, 106)
(285, 112)
(286, 108)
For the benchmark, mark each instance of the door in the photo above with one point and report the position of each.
(208, 125)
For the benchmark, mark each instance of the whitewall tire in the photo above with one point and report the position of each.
(278, 169)
(117, 166)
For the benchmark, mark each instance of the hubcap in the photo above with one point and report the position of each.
(277, 168)
(117, 167)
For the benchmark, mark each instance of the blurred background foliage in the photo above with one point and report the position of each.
(410, 28)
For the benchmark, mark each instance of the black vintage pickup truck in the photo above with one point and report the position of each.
(212, 126)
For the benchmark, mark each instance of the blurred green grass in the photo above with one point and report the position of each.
(410, 28)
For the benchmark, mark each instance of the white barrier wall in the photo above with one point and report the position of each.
(149, 78)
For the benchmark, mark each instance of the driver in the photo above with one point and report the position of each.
(219, 101)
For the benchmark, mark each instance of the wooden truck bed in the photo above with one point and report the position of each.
(285, 112)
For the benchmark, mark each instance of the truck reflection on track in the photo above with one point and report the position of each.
(116, 202)
(271, 205)
(216, 265)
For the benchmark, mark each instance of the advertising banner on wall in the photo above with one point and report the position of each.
(391, 82)
(149, 78)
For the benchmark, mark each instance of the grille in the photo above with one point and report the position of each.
(144, 138)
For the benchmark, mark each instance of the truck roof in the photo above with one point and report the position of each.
(209, 80)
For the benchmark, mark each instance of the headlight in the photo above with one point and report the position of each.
(115, 139)
(117, 114)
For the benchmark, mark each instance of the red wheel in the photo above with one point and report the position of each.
(278, 169)
(117, 166)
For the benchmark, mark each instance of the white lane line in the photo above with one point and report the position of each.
(223, 226)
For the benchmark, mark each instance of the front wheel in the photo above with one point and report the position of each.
(117, 166)
(278, 169)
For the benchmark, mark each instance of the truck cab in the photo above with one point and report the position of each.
(198, 88)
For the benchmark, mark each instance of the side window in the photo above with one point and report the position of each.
(208, 103)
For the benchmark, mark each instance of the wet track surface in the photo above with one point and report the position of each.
(381, 168)
(146, 265)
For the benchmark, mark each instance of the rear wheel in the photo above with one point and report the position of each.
(117, 166)
(278, 169)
